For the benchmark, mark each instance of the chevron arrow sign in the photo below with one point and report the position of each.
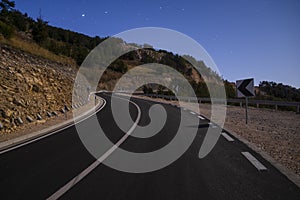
(245, 88)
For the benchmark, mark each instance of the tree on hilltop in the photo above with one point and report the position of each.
(39, 31)
(6, 5)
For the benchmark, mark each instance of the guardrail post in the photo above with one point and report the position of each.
(276, 107)
(241, 104)
(298, 109)
(246, 106)
(257, 105)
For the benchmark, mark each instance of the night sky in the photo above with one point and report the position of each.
(246, 38)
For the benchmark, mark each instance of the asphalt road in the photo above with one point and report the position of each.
(41, 168)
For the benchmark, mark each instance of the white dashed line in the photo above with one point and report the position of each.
(227, 137)
(254, 161)
(193, 113)
(200, 117)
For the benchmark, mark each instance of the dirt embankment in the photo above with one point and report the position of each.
(30, 88)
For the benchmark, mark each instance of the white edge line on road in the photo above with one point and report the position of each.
(254, 161)
(193, 113)
(212, 125)
(85, 172)
(56, 131)
(227, 137)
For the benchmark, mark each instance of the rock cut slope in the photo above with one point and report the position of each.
(31, 87)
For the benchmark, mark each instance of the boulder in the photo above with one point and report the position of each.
(39, 117)
(19, 120)
(67, 108)
(49, 114)
(10, 99)
(36, 88)
(29, 119)
(6, 113)
(18, 102)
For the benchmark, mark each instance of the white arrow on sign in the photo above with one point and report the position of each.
(245, 88)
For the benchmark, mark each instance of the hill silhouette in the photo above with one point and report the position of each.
(66, 46)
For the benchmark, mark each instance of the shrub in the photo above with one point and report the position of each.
(6, 30)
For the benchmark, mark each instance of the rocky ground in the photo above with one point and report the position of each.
(275, 132)
(30, 88)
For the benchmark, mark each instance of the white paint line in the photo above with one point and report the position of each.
(193, 113)
(212, 125)
(254, 161)
(85, 172)
(200, 117)
(58, 130)
(227, 137)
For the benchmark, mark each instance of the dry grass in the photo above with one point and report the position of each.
(35, 49)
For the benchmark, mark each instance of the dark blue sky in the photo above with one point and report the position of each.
(246, 38)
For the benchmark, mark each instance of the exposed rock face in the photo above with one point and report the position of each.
(31, 86)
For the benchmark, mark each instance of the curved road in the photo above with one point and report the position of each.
(39, 169)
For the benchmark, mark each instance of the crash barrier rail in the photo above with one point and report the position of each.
(241, 102)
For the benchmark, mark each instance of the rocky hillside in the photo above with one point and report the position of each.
(31, 88)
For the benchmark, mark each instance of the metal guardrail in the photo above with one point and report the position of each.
(240, 101)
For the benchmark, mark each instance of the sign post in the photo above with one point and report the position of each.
(245, 88)
(246, 109)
